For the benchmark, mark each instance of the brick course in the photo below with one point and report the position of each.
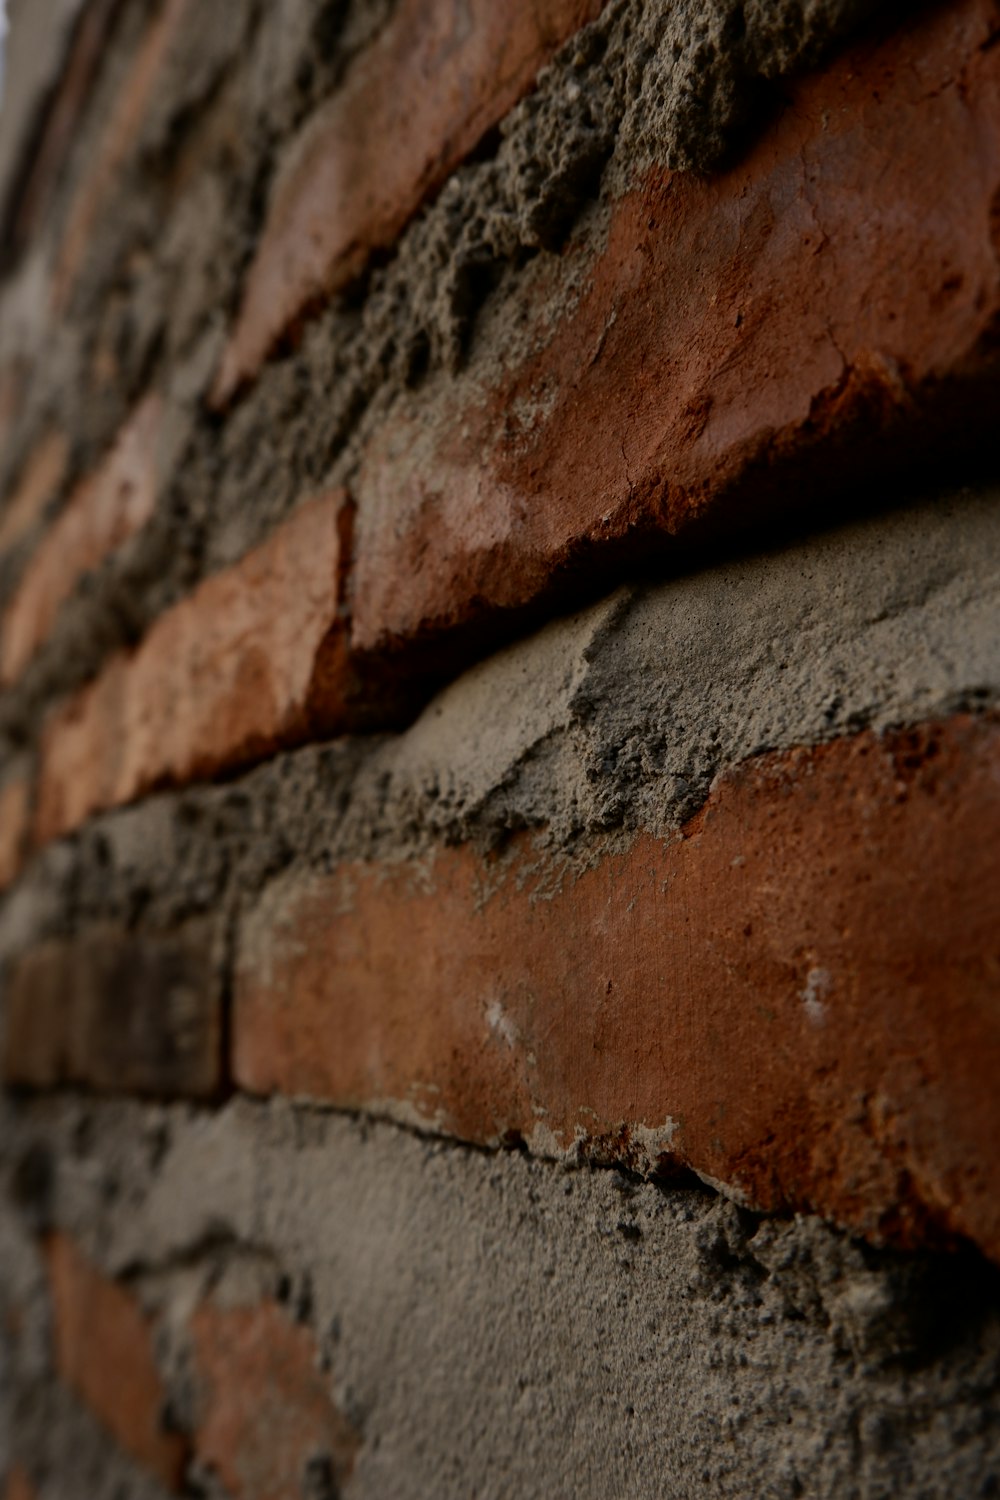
(15, 822)
(742, 341)
(104, 1352)
(791, 998)
(100, 516)
(432, 83)
(266, 1431)
(116, 1011)
(249, 662)
(37, 485)
(117, 140)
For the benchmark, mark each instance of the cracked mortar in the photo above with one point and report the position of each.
(469, 1307)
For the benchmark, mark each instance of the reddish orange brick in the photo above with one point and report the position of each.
(99, 517)
(266, 1410)
(252, 660)
(15, 821)
(824, 306)
(104, 1352)
(800, 996)
(37, 485)
(117, 139)
(116, 1011)
(416, 102)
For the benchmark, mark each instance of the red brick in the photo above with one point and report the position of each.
(104, 1352)
(116, 1011)
(265, 1410)
(251, 661)
(826, 304)
(37, 485)
(417, 101)
(116, 141)
(15, 821)
(806, 983)
(99, 517)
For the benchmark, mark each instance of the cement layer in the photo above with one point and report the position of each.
(608, 722)
(682, 86)
(495, 1326)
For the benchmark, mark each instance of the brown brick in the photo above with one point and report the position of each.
(18, 1485)
(266, 1412)
(745, 341)
(249, 662)
(104, 1352)
(116, 1011)
(116, 141)
(801, 994)
(99, 517)
(15, 819)
(417, 101)
(37, 485)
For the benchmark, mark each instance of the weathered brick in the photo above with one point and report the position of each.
(417, 101)
(116, 1011)
(99, 517)
(250, 661)
(800, 996)
(15, 820)
(745, 342)
(266, 1413)
(36, 486)
(104, 1352)
(117, 139)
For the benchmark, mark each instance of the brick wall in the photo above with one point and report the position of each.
(499, 745)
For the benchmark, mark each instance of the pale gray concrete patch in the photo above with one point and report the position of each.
(621, 716)
(498, 1326)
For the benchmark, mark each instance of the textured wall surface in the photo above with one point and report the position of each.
(499, 749)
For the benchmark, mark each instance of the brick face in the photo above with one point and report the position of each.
(413, 105)
(793, 996)
(741, 340)
(117, 139)
(247, 663)
(265, 1410)
(15, 817)
(118, 1012)
(37, 485)
(99, 517)
(104, 1352)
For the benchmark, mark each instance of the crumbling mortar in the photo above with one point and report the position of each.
(499, 213)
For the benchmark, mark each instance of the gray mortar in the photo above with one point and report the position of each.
(677, 84)
(612, 720)
(500, 1327)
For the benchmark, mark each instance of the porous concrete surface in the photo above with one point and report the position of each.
(496, 1326)
(680, 84)
(611, 721)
